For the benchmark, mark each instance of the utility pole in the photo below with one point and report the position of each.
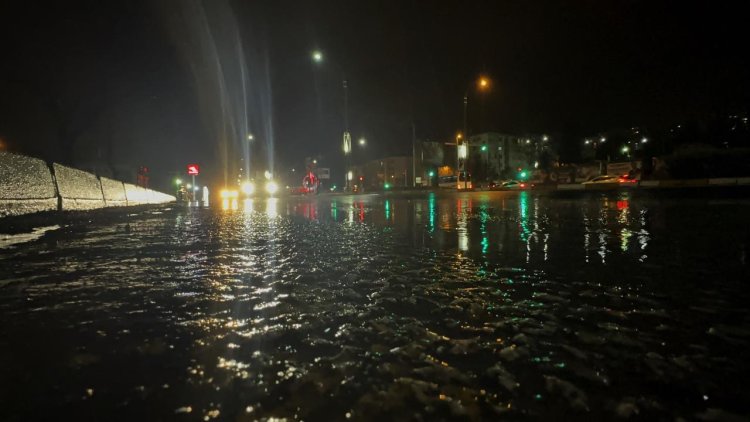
(462, 162)
(413, 155)
(347, 137)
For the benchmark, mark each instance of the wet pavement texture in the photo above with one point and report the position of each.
(471, 306)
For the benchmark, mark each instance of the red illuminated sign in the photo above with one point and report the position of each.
(193, 169)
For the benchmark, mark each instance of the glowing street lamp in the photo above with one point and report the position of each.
(250, 137)
(483, 83)
(362, 141)
(317, 56)
(625, 149)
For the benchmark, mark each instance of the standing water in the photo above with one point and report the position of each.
(454, 306)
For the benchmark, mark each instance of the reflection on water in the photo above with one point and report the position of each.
(486, 225)
(427, 306)
(522, 227)
(229, 204)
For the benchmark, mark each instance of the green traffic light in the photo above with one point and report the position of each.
(387, 186)
(484, 147)
(432, 173)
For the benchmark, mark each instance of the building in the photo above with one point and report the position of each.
(494, 156)
(382, 173)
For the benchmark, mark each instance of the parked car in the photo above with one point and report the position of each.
(514, 185)
(623, 180)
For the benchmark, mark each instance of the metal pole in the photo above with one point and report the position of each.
(413, 155)
(465, 139)
(347, 136)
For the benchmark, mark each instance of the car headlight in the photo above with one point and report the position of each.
(227, 194)
(272, 187)
(248, 188)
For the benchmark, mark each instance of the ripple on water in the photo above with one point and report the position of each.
(286, 317)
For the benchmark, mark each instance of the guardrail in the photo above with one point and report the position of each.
(29, 185)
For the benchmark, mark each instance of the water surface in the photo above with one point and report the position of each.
(425, 306)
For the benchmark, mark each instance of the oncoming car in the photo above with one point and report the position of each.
(270, 187)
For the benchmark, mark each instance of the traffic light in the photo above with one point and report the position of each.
(432, 173)
(484, 148)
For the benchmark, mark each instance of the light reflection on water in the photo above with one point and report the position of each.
(426, 306)
(484, 224)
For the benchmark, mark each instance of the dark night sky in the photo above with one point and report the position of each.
(133, 75)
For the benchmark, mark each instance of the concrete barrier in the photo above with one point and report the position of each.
(114, 192)
(79, 190)
(161, 198)
(26, 185)
(136, 195)
(29, 185)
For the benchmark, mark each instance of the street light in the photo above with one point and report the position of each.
(483, 84)
(317, 56)
(362, 141)
(250, 137)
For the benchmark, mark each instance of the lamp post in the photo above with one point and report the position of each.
(347, 136)
(461, 153)
(483, 85)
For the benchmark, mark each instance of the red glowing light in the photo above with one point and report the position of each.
(193, 169)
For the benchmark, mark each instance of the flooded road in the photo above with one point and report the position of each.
(474, 306)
